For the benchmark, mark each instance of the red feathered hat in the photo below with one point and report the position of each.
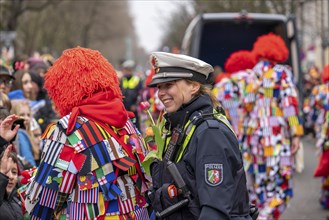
(78, 74)
(270, 47)
(240, 60)
(325, 74)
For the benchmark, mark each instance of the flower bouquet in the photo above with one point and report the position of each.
(153, 138)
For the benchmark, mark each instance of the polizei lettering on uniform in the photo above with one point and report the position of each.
(213, 174)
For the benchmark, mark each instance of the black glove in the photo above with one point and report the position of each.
(161, 199)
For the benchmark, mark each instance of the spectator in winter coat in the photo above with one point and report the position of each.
(10, 205)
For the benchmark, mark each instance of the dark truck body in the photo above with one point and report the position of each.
(212, 37)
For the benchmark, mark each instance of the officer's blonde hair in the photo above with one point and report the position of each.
(205, 90)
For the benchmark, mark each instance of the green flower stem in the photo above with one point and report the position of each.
(150, 116)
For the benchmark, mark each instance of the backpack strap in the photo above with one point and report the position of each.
(218, 114)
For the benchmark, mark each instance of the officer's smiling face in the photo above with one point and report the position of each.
(176, 93)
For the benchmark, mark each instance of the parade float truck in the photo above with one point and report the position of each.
(212, 37)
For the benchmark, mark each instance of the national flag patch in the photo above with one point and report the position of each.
(129, 127)
(79, 146)
(67, 182)
(64, 121)
(126, 206)
(42, 212)
(76, 162)
(76, 210)
(87, 181)
(124, 163)
(87, 196)
(61, 201)
(91, 133)
(213, 174)
(91, 210)
(58, 135)
(141, 214)
(104, 178)
(100, 153)
(33, 191)
(86, 168)
(126, 185)
(54, 179)
(73, 138)
(65, 157)
(113, 207)
(51, 151)
(48, 197)
(43, 173)
(114, 148)
(110, 191)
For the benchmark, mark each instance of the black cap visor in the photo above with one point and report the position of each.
(157, 81)
(6, 74)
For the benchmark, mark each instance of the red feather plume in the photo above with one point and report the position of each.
(270, 47)
(240, 60)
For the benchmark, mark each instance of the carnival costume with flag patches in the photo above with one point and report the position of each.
(273, 120)
(90, 166)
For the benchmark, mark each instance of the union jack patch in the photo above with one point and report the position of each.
(213, 174)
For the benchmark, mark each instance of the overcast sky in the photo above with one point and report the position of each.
(149, 20)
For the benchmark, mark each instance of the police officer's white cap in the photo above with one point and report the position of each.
(128, 64)
(170, 67)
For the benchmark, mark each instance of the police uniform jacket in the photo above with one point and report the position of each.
(211, 167)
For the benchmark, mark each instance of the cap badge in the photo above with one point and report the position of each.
(154, 61)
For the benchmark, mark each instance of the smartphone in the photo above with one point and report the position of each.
(19, 121)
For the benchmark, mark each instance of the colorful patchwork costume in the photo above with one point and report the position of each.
(319, 104)
(231, 90)
(271, 129)
(90, 165)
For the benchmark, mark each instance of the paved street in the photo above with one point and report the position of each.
(305, 203)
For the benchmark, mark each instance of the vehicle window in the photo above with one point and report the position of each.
(221, 38)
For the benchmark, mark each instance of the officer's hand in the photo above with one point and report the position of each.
(164, 197)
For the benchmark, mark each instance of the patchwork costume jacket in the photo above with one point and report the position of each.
(272, 121)
(230, 93)
(319, 105)
(92, 172)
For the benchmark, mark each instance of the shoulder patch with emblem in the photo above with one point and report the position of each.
(213, 174)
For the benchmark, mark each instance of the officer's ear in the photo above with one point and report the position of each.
(195, 87)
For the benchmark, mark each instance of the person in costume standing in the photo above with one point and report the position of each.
(200, 142)
(230, 90)
(90, 161)
(272, 129)
(319, 103)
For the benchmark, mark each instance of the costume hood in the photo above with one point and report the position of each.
(78, 74)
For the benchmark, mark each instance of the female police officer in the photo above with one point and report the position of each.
(209, 182)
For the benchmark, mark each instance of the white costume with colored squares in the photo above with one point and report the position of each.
(272, 109)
